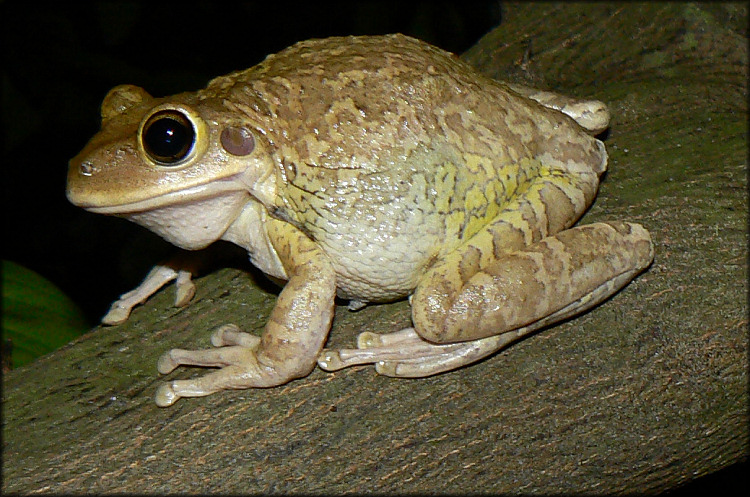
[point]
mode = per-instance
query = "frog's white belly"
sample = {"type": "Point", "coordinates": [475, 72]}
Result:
{"type": "Point", "coordinates": [380, 231]}
{"type": "Point", "coordinates": [383, 230]}
{"type": "Point", "coordinates": [385, 258]}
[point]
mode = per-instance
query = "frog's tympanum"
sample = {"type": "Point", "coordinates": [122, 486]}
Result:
{"type": "Point", "coordinates": [372, 169]}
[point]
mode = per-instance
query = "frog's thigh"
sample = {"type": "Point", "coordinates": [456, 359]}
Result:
{"type": "Point", "coordinates": [547, 281]}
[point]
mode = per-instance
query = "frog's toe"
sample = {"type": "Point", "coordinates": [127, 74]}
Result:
{"type": "Point", "coordinates": [396, 369]}
{"type": "Point", "coordinates": [368, 340]}
{"type": "Point", "coordinates": [226, 378]}
{"type": "Point", "coordinates": [230, 334]}
{"type": "Point", "coordinates": [166, 364]}
{"type": "Point", "coordinates": [117, 314]}
{"type": "Point", "coordinates": [330, 360]}
{"type": "Point", "coordinates": [165, 395]}
{"type": "Point", "coordinates": [185, 289]}
{"type": "Point", "coordinates": [216, 358]}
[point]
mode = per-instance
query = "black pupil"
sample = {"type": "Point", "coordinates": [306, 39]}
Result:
{"type": "Point", "coordinates": [168, 137]}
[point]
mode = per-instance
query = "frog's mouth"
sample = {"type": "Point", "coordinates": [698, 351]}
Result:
{"type": "Point", "coordinates": [191, 219]}
{"type": "Point", "coordinates": [194, 194]}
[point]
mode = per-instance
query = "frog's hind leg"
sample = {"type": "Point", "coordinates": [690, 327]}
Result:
{"type": "Point", "coordinates": [521, 292]}
{"type": "Point", "coordinates": [522, 271]}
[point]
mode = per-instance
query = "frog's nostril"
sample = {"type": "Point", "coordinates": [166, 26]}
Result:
{"type": "Point", "coordinates": [87, 168]}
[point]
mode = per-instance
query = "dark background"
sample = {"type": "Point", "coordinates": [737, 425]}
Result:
{"type": "Point", "coordinates": [58, 61]}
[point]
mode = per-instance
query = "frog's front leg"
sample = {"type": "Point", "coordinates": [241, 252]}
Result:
{"type": "Point", "coordinates": [293, 337]}
{"type": "Point", "coordinates": [465, 310]}
{"type": "Point", "coordinates": [160, 275]}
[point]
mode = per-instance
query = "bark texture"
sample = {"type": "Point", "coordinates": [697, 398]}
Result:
{"type": "Point", "coordinates": [642, 394]}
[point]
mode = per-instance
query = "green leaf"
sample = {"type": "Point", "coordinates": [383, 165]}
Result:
{"type": "Point", "coordinates": [37, 316]}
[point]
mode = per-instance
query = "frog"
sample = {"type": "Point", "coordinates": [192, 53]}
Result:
{"type": "Point", "coordinates": [369, 169]}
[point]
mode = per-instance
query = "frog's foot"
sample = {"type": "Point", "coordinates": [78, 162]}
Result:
{"type": "Point", "coordinates": [156, 278]}
{"type": "Point", "coordinates": [591, 115]}
{"type": "Point", "coordinates": [236, 355]}
{"type": "Point", "coordinates": [404, 354]}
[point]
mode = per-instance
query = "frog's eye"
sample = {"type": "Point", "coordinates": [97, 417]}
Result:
{"type": "Point", "coordinates": [168, 137]}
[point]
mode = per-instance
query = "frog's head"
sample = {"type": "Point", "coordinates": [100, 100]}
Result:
{"type": "Point", "coordinates": [181, 166]}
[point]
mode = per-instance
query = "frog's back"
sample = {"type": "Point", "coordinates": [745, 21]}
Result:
{"type": "Point", "coordinates": [368, 102]}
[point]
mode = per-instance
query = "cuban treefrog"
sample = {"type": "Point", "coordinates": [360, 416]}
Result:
{"type": "Point", "coordinates": [372, 168]}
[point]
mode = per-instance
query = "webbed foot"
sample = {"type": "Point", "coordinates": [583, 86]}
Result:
{"type": "Point", "coordinates": [235, 355]}
{"type": "Point", "coordinates": [404, 354]}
